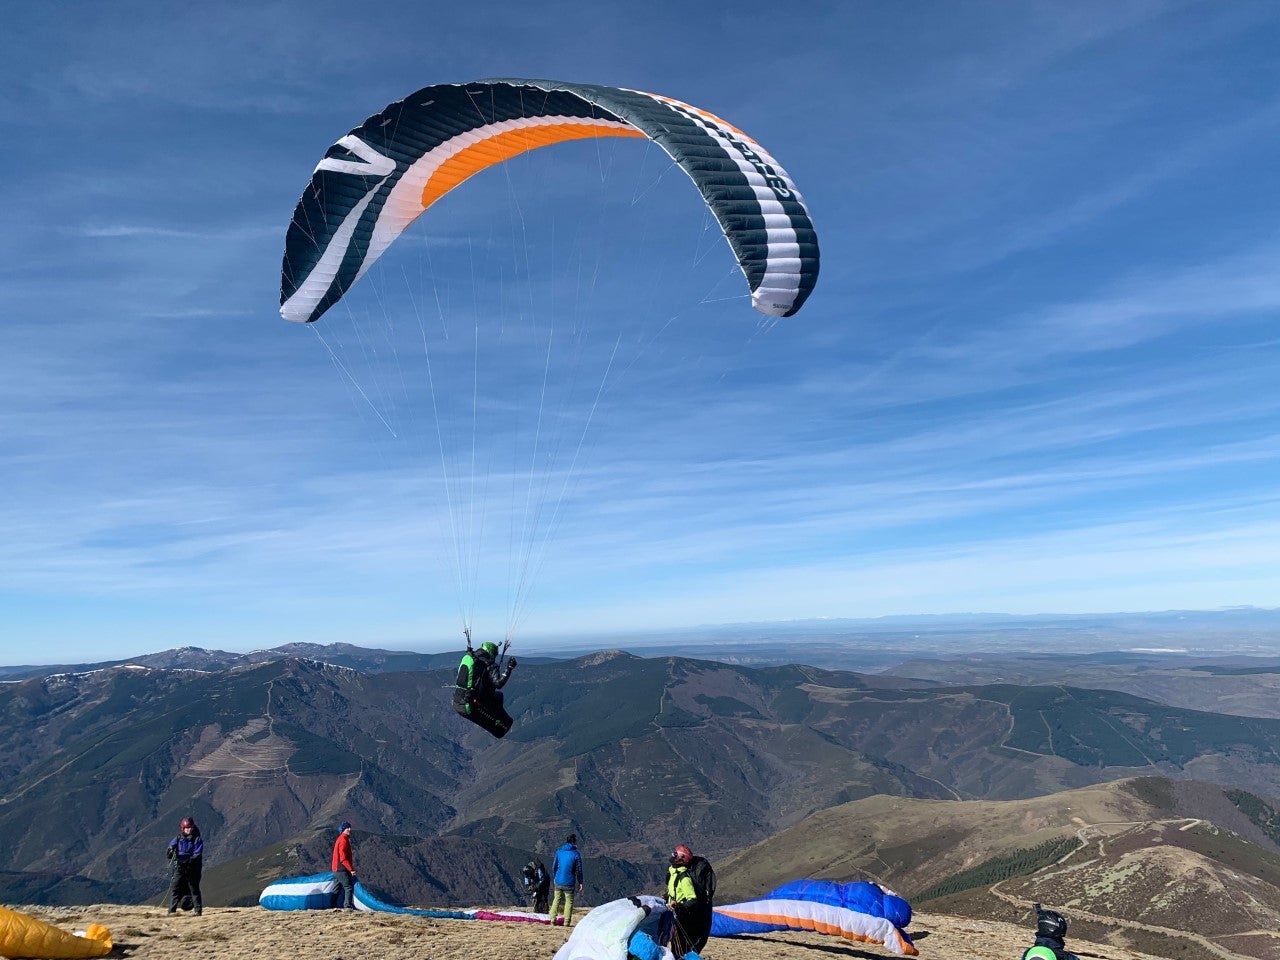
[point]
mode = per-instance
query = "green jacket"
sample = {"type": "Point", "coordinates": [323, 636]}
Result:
{"type": "Point", "coordinates": [680, 888]}
{"type": "Point", "coordinates": [479, 677]}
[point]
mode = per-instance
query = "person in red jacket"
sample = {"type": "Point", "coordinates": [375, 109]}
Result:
{"type": "Point", "coordinates": [344, 866]}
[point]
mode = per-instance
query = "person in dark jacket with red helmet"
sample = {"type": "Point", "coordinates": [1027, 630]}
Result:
{"type": "Point", "coordinates": [186, 850]}
{"type": "Point", "coordinates": [691, 890]}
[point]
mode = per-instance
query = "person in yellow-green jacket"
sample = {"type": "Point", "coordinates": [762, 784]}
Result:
{"type": "Point", "coordinates": [691, 890]}
{"type": "Point", "coordinates": [1051, 933]}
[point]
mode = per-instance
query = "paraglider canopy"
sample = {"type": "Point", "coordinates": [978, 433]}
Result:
{"type": "Point", "coordinates": [487, 370]}
{"type": "Point", "coordinates": [859, 911]}
{"type": "Point", "coordinates": [373, 182]}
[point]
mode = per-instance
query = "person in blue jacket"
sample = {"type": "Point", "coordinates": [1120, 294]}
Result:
{"type": "Point", "coordinates": [566, 875]}
{"type": "Point", "coordinates": [186, 850]}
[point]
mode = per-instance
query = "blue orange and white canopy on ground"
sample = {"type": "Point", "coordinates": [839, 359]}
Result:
{"type": "Point", "coordinates": [859, 911]}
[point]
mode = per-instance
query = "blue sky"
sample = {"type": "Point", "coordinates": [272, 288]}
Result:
{"type": "Point", "coordinates": [1038, 373]}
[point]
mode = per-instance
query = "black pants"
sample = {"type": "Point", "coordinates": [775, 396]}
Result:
{"type": "Point", "coordinates": [346, 889]}
{"type": "Point", "coordinates": [489, 714]}
{"type": "Point", "coordinates": [542, 899]}
{"type": "Point", "coordinates": [693, 927]}
{"type": "Point", "coordinates": [186, 883]}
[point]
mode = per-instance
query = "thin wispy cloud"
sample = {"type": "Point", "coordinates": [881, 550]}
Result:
{"type": "Point", "coordinates": [168, 233]}
{"type": "Point", "coordinates": [1037, 373]}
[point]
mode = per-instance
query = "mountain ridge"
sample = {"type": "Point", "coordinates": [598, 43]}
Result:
{"type": "Point", "coordinates": [632, 753]}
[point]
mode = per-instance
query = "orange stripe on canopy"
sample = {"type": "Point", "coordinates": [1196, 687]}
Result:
{"type": "Point", "coordinates": [809, 923]}
{"type": "Point", "coordinates": [719, 121]}
{"type": "Point", "coordinates": [791, 920]}
{"type": "Point", "coordinates": [507, 144]}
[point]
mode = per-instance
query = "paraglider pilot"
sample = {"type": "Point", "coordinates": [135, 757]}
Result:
{"type": "Point", "coordinates": [186, 850]}
{"type": "Point", "coordinates": [477, 693]}
{"type": "Point", "coordinates": [1051, 933]}
{"type": "Point", "coordinates": [690, 893]}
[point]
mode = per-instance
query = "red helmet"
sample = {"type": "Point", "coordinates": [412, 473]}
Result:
{"type": "Point", "coordinates": [682, 856]}
{"type": "Point", "coordinates": [187, 822]}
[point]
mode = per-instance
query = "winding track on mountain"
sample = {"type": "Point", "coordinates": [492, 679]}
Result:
{"type": "Point", "coordinates": [1076, 912]}
{"type": "Point", "coordinates": [1004, 740]}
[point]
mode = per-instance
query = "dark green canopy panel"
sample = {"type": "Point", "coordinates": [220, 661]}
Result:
{"type": "Point", "coordinates": [381, 176]}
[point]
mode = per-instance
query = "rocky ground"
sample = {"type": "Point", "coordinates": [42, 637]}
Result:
{"type": "Point", "coordinates": [251, 933]}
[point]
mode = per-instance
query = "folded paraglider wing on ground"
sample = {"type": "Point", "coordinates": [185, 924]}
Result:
{"type": "Point", "coordinates": [24, 936]}
{"type": "Point", "coordinates": [632, 926]}
{"type": "Point", "coordinates": [319, 891]}
{"type": "Point", "coordinates": [858, 911]}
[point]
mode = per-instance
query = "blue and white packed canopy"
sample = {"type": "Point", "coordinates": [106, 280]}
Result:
{"type": "Point", "coordinates": [859, 911]}
{"type": "Point", "coordinates": [381, 176]}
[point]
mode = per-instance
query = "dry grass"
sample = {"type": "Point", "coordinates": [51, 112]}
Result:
{"type": "Point", "coordinates": [250, 933]}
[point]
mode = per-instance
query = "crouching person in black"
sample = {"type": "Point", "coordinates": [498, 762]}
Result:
{"type": "Point", "coordinates": [186, 851]}
{"type": "Point", "coordinates": [537, 885]}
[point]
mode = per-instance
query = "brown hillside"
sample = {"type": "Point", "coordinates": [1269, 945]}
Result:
{"type": "Point", "coordinates": [911, 844]}
{"type": "Point", "coordinates": [1115, 858]}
